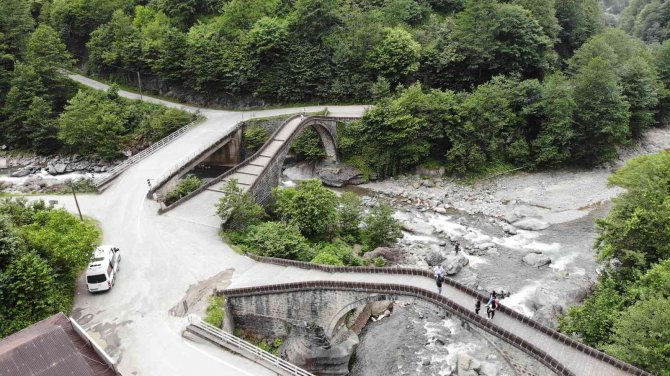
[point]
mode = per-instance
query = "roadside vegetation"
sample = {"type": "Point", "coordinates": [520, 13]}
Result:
{"type": "Point", "coordinates": [307, 223]}
{"type": "Point", "coordinates": [186, 186]}
{"type": "Point", "coordinates": [627, 313]}
{"type": "Point", "coordinates": [42, 252]}
{"type": "Point", "coordinates": [214, 314]}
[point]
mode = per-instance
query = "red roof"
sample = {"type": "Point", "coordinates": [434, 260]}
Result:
{"type": "Point", "coordinates": [50, 347]}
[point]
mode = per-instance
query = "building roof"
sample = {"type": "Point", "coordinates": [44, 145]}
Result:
{"type": "Point", "coordinates": [50, 347]}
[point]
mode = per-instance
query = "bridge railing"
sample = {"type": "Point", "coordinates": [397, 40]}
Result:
{"type": "Point", "coordinates": [535, 325]}
{"type": "Point", "coordinates": [248, 350]}
{"type": "Point", "coordinates": [118, 169]}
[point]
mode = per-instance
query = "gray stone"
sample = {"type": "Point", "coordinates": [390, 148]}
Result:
{"type": "Point", "coordinates": [3, 163]}
{"type": "Point", "coordinates": [454, 263]}
{"type": "Point", "coordinates": [536, 259]}
{"type": "Point", "coordinates": [339, 175]}
{"type": "Point", "coordinates": [60, 168]}
{"type": "Point", "coordinates": [531, 224]}
{"type": "Point", "coordinates": [21, 173]}
{"type": "Point", "coordinates": [52, 170]}
{"type": "Point", "coordinates": [418, 228]}
{"type": "Point", "coordinates": [430, 172]}
{"type": "Point", "coordinates": [435, 257]}
{"type": "Point", "coordinates": [388, 254]}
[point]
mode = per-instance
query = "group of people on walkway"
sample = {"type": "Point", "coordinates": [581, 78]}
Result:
{"type": "Point", "coordinates": [491, 306]}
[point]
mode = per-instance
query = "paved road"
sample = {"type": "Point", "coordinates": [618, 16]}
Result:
{"type": "Point", "coordinates": [162, 258]}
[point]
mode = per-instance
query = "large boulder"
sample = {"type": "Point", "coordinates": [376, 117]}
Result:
{"type": "Point", "coordinates": [435, 257]}
{"type": "Point", "coordinates": [339, 175]}
{"type": "Point", "coordinates": [418, 228]}
{"type": "Point", "coordinates": [467, 365]}
{"type": "Point", "coordinates": [531, 224]}
{"type": "Point", "coordinates": [21, 173]}
{"type": "Point", "coordinates": [60, 168]}
{"type": "Point", "coordinates": [454, 263]}
{"type": "Point", "coordinates": [536, 259]}
{"type": "Point", "coordinates": [389, 254]}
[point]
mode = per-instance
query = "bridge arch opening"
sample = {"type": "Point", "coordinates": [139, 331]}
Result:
{"type": "Point", "coordinates": [314, 142]}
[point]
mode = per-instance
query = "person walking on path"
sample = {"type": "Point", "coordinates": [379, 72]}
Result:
{"type": "Point", "coordinates": [439, 277]}
{"type": "Point", "coordinates": [438, 280]}
{"type": "Point", "coordinates": [491, 308]}
{"type": "Point", "coordinates": [478, 305]}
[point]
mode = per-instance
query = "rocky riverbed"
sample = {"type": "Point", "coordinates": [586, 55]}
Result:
{"type": "Point", "coordinates": [39, 174]}
{"type": "Point", "coordinates": [529, 234]}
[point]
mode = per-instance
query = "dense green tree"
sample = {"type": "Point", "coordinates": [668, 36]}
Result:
{"type": "Point", "coordinates": [26, 85]}
{"type": "Point", "coordinates": [395, 57]}
{"type": "Point", "coordinates": [601, 116]}
{"type": "Point", "coordinates": [380, 228]}
{"type": "Point", "coordinates": [276, 239]}
{"type": "Point", "coordinates": [91, 124]}
{"type": "Point", "coordinates": [28, 293]}
{"type": "Point", "coordinates": [16, 24]}
{"type": "Point", "coordinates": [579, 20]}
{"type": "Point", "coordinates": [117, 43]}
{"type": "Point", "coordinates": [40, 125]}
{"type": "Point", "coordinates": [237, 208]}
{"type": "Point", "coordinates": [310, 207]}
{"type": "Point", "coordinates": [544, 11]}
{"type": "Point", "coordinates": [642, 336]}
{"type": "Point", "coordinates": [9, 243]}
{"type": "Point", "coordinates": [46, 52]}
{"type": "Point", "coordinates": [636, 231]}
{"type": "Point", "coordinates": [349, 216]}
{"type": "Point", "coordinates": [640, 87]}
{"type": "Point", "coordinates": [551, 147]}
{"type": "Point", "coordinates": [494, 38]}
{"type": "Point", "coordinates": [592, 320]}
{"type": "Point", "coordinates": [648, 20]}
{"type": "Point", "coordinates": [63, 240]}
{"type": "Point", "coordinates": [662, 63]}
{"type": "Point", "coordinates": [75, 20]}
{"type": "Point", "coordinates": [307, 146]}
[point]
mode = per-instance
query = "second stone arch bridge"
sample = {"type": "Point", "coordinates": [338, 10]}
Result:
{"type": "Point", "coordinates": [258, 173]}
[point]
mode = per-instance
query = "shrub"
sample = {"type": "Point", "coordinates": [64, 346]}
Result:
{"type": "Point", "coordinates": [349, 216]}
{"type": "Point", "coordinates": [215, 313]}
{"type": "Point", "coordinates": [255, 137]}
{"type": "Point", "coordinates": [187, 185]}
{"type": "Point", "coordinates": [238, 209]}
{"type": "Point", "coordinates": [379, 261]}
{"type": "Point", "coordinates": [327, 258]}
{"type": "Point", "coordinates": [380, 228]}
{"type": "Point", "coordinates": [275, 239]}
{"type": "Point", "coordinates": [310, 207]}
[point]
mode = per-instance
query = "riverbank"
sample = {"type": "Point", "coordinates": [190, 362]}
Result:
{"type": "Point", "coordinates": [29, 174]}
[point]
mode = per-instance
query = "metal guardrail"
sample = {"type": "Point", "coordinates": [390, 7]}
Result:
{"type": "Point", "coordinates": [117, 170]}
{"type": "Point", "coordinates": [247, 349]}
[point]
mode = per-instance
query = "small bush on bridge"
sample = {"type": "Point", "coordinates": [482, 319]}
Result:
{"type": "Point", "coordinates": [237, 209]}
{"type": "Point", "coordinates": [308, 146]}
{"type": "Point", "coordinates": [186, 186]}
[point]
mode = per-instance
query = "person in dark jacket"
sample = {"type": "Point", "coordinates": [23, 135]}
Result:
{"type": "Point", "coordinates": [478, 305]}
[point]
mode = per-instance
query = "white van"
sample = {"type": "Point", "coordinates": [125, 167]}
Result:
{"type": "Point", "coordinates": [102, 268]}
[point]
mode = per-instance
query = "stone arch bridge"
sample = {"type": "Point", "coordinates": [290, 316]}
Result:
{"type": "Point", "coordinates": [260, 172]}
{"type": "Point", "coordinates": [323, 295]}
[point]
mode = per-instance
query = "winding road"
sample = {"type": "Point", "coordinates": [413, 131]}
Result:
{"type": "Point", "coordinates": [163, 256]}
{"type": "Point", "coordinates": [171, 258]}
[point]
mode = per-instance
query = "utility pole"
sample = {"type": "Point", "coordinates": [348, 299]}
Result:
{"type": "Point", "coordinates": [75, 201]}
{"type": "Point", "coordinates": [139, 81]}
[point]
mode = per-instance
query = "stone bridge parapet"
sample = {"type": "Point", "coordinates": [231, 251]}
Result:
{"type": "Point", "coordinates": [544, 346]}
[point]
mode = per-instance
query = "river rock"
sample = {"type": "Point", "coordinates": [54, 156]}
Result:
{"type": "Point", "coordinates": [434, 257]}
{"type": "Point", "coordinates": [467, 365]}
{"type": "Point", "coordinates": [536, 259]}
{"type": "Point", "coordinates": [3, 163]}
{"type": "Point", "coordinates": [21, 173]}
{"type": "Point", "coordinates": [60, 168]}
{"type": "Point", "coordinates": [418, 228]}
{"type": "Point", "coordinates": [531, 224]}
{"type": "Point", "coordinates": [339, 175]}
{"type": "Point", "coordinates": [454, 263]}
{"type": "Point", "coordinates": [388, 254]}
{"type": "Point", "coordinates": [430, 172]}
